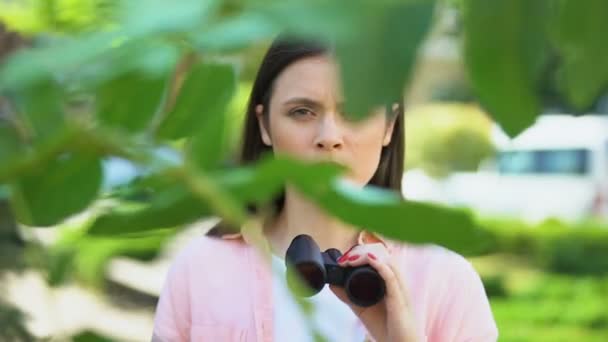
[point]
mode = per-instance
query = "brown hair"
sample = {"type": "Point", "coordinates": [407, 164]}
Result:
{"type": "Point", "coordinates": [283, 52]}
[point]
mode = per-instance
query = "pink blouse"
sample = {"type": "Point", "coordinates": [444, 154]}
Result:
{"type": "Point", "coordinates": [221, 290]}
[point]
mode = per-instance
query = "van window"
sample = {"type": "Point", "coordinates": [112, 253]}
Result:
{"type": "Point", "coordinates": [562, 161]}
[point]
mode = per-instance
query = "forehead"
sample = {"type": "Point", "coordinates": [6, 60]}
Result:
{"type": "Point", "coordinates": [314, 77]}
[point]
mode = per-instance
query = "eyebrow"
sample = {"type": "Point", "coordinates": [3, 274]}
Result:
{"type": "Point", "coordinates": [307, 102]}
{"type": "Point", "coordinates": [304, 101]}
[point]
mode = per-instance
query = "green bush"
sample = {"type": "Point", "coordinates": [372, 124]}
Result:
{"type": "Point", "coordinates": [446, 137]}
{"type": "Point", "coordinates": [575, 250]}
{"type": "Point", "coordinates": [555, 307]}
{"type": "Point", "coordinates": [494, 285]}
{"type": "Point", "coordinates": [552, 245]}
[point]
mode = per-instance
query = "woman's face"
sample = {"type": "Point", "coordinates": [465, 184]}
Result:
{"type": "Point", "coordinates": [306, 120]}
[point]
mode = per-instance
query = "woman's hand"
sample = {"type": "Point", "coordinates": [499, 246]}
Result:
{"type": "Point", "coordinates": [391, 319]}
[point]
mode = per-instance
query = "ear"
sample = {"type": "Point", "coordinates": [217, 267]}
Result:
{"type": "Point", "coordinates": [259, 113]}
{"type": "Point", "coordinates": [388, 134]}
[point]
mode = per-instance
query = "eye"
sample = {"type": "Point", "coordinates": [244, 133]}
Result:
{"type": "Point", "coordinates": [301, 113]}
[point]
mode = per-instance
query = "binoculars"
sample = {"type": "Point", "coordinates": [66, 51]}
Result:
{"type": "Point", "coordinates": [306, 264]}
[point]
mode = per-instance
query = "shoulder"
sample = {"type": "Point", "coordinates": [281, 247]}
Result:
{"type": "Point", "coordinates": [433, 258]}
{"type": "Point", "coordinates": [211, 270]}
{"type": "Point", "coordinates": [207, 277]}
{"type": "Point", "coordinates": [452, 295]}
{"type": "Point", "coordinates": [441, 276]}
{"type": "Point", "coordinates": [206, 246]}
{"type": "Point", "coordinates": [207, 253]}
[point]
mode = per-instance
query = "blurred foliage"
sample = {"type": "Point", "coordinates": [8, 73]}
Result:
{"type": "Point", "coordinates": [57, 16]}
{"type": "Point", "coordinates": [494, 285]}
{"type": "Point", "coordinates": [11, 243]}
{"type": "Point", "coordinates": [78, 256]}
{"type": "Point", "coordinates": [560, 58]}
{"type": "Point", "coordinates": [12, 324]}
{"type": "Point", "coordinates": [90, 336]}
{"type": "Point", "coordinates": [447, 137]}
{"type": "Point", "coordinates": [511, 32]}
{"type": "Point", "coordinates": [128, 79]}
{"type": "Point", "coordinates": [454, 90]}
{"type": "Point", "coordinates": [522, 40]}
{"type": "Point", "coordinates": [547, 282]}
{"type": "Point", "coordinates": [552, 245]}
{"type": "Point", "coordinates": [235, 116]}
{"type": "Point", "coordinates": [583, 73]}
{"type": "Point", "coordinates": [554, 308]}
{"type": "Point", "coordinates": [259, 184]}
{"type": "Point", "coordinates": [535, 305]}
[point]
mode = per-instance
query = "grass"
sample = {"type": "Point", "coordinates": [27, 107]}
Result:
{"type": "Point", "coordinates": [539, 306]}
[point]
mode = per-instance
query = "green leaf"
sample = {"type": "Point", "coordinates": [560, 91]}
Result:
{"type": "Point", "coordinates": [209, 145]}
{"type": "Point", "coordinates": [40, 106]}
{"type": "Point", "coordinates": [259, 184]}
{"type": "Point", "coordinates": [152, 57]}
{"type": "Point", "coordinates": [130, 100]}
{"type": "Point", "coordinates": [233, 33]}
{"type": "Point", "coordinates": [206, 91]}
{"type": "Point", "coordinates": [63, 187]}
{"type": "Point", "coordinates": [14, 325]}
{"type": "Point", "coordinates": [382, 211]}
{"type": "Point", "coordinates": [579, 37]}
{"type": "Point", "coordinates": [60, 265]}
{"type": "Point", "coordinates": [65, 55]}
{"type": "Point", "coordinates": [83, 257]}
{"type": "Point", "coordinates": [370, 208]}
{"type": "Point", "coordinates": [91, 336]}
{"type": "Point", "coordinates": [154, 17]}
{"type": "Point", "coordinates": [62, 56]}
{"type": "Point", "coordinates": [331, 18]}
{"type": "Point", "coordinates": [376, 62]}
{"type": "Point", "coordinates": [505, 44]}
{"type": "Point", "coordinates": [3, 192]}
{"type": "Point", "coordinates": [94, 254]}
{"type": "Point", "coordinates": [171, 207]}
{"type": "Point", "coordinates": [375, 41]}
{"type": "Point", "coordinates": [10, 146]}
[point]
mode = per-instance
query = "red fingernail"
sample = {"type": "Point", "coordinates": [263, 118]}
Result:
{"type": "Point", "coordinates": [353, 258]}
{"type": "Point", "coordinates": [348, 251]}
{"type": "Point", "coordinates": [372, 256]}
{"type": "Point", "coordinates": [341, 259]}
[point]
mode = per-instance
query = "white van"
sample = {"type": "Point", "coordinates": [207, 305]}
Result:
{"type": "Point", "coordinates": [558, 167]}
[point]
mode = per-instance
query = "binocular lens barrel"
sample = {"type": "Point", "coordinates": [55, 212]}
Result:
{"type": "Point", "coordinates": [363, 285]}
{"type": "Point", "coordinates": [304, 257]}
{"type": "Point", "coordinates": [312, 275]}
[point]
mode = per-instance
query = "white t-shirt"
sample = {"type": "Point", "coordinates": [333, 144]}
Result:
{"type": "Point", "coordinates": [333, 319]}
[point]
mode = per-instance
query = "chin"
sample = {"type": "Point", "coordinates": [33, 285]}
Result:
{"type": "Point", "coordinates": [355, 181]}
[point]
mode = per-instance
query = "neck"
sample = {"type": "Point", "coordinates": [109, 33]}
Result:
{"type": "Point", "coordinates": [301, 216]}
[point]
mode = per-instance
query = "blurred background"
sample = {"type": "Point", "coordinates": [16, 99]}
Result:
{"type": "Point", "coordinates": [542, 194]}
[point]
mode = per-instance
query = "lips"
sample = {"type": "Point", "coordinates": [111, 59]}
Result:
{"type": "Point", "coordinates": [330, 159]}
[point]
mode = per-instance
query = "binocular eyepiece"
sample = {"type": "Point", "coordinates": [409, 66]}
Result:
{"type": "Point", "coordinates": [306, 264]}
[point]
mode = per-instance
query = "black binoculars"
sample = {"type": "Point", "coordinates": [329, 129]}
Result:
{"type": "Point", "coordinates": [306, 264]}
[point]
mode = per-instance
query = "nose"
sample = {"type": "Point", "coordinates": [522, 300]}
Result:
{"type": "Point", "coordinates": [329, 136]}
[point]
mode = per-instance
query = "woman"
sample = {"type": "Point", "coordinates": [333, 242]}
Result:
{"type": "Point", "coordinates": [220, 288]}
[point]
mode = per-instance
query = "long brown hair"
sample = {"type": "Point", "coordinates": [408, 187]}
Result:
{"type": "Point", "coordinates": [283, 52]}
